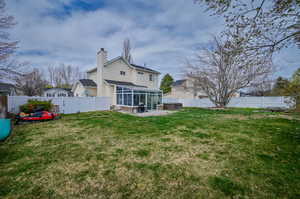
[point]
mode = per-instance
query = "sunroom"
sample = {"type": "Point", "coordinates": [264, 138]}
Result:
{"type": "Point", "coordinates": [131, 98]}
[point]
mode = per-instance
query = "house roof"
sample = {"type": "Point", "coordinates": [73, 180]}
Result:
{"type": "Point", "coordinates": [144, 68]}
{"type": "Point", "coordinates": [66, 89]}
{"type": "Point", "coordinates": [131, 65]}
{"type": "Point", "coordinates": [88, 82]}
{"type": "Point", "coordinates": [6, 87]}
{"type": "Point", "coordinates": [179, 82]}
{"type": "Point", "coordinates": [120, 83]}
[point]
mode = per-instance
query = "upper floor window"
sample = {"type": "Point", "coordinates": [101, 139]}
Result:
{"type": "Point", "coordinates": [150, 77]}
{"type": "Point", "coordinates": [140, 73]}
{"type": "Point", "coordinates": [122, 73]}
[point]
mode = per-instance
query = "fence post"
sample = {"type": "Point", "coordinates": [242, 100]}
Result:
{"type": "Point", "coordinates": [3, 107]}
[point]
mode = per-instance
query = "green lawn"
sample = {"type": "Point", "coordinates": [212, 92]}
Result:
{"type": "Point", "coordinates": [193, 153]}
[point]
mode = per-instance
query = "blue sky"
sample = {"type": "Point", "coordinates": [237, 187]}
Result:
{"type": "Point", "coordinates": [162, 32]}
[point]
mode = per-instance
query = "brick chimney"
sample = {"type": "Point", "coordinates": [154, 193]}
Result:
{"type": "Point", "coordinates": [101, 60]}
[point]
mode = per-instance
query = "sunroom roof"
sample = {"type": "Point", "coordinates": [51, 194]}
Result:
{"type": "Point", "coordinates": [120, 83]}
{"type": "Point", "coordinates": [134, 88]}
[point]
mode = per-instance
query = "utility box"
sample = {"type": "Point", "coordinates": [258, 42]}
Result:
{"type": "Point", "coordinates": [172, 106]}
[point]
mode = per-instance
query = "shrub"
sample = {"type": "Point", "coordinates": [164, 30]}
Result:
{"type": "Point", "coordinates": [33, 105]}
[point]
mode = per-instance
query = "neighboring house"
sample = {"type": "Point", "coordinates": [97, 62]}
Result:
{"type": "Point", "coordinates": [85, 88]}
{"type": "Point", "coordinates": [57, 92]}
{"type": "Point", "coordinates": [128, 85]}
{"type": "Point", "coordinates": [184, 89]}
{"type": "Point", "coordinates": [7, 89]}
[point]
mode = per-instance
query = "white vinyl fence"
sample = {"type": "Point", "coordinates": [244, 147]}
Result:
{"type": "Point", "coordinates": [243, 102]}
{"type": "Point", "coordinates": [66, 105]}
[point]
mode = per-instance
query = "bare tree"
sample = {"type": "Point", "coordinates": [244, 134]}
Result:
{"type": "Point", "coordinates": [226, 69]}
{"type": "Point", "coordinates": [31, 83]}
{"type": "Point", "coordinates": [64, 75]}
{"type": "Point", "coordinates": [126, 50]}
{"type": "Point", "coordinates": [51, 75]}
{"type": "Point", "coordinates": [268, 25]}
{"type": "Point", "coordinates": [7, 47]}
{"type": "Point", "coordinates": [262, 89]}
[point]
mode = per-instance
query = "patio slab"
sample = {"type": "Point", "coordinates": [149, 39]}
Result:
{"type": "Point", "coordinates": [151, 113]}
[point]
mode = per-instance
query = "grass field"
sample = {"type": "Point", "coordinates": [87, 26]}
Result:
{"type": "Point", "coordinates": [193, 153]}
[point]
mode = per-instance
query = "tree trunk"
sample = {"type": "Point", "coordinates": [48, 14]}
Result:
{"type": "Point", "coordinates": [298, 105]}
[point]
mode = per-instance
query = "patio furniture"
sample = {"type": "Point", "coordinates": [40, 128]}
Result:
{"type": "Point", "coordinates": [141, 108]}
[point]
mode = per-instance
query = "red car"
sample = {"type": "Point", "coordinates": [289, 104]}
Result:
{"type": "Point", "coordinates": [37, 116]}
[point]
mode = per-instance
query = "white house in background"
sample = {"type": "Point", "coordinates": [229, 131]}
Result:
{"type": "Point", "coordinates": [8, 89]}
{"type": "Point", "coordinates": [183, 89]}
{"type": "Point", "coordinates": [128, 85]}
{"type": "Point", "coordinates": [57, 92]}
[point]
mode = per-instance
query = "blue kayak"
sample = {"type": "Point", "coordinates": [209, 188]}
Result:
{"type": "Point", "coordinates": [5, 128]}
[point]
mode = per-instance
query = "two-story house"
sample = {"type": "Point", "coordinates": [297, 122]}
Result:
{"type": "Point", "coordinates": [128, 85]}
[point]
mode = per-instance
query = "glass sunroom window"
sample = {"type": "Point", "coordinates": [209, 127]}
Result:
{"type": "Point", "coordinates": [135, 97]}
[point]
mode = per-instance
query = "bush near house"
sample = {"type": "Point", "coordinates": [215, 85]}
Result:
{"type": "Point", "coordinates": [33, 105]}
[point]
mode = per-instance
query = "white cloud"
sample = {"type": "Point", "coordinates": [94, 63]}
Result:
{"type": "Point", "coordinates": [161, 36]}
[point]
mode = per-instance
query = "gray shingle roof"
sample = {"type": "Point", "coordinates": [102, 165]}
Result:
{"type": "Point", "coordinates": [144, 68]}
{"type": "Point", "coordinates": [6, 87]}
{"type": "Point", "coordinates": [133, 65]}
{"type": "Point", "coordinates": [123, 83]}
{"type": "Point", "coordinates": [178, 82]}
{"type": "Point", "coordinates": [88, 82]}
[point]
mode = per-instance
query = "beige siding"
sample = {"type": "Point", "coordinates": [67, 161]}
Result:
{"type": "Point", "coordinates": [81, 91]}
{"type": "Point", "coordinates": [92, 92]}
{"type": "Point", "coordinates": [144, 79]}
{"type": "Point", "coordinates": [112, 72]}
{"type": "Point", "coordinates": [186, 91]}
{"type": "Point", "coordinates": [180, 93]}
{"type": "Point", "coordinates": [92, 76]}
{"type": "Point", "coordinates": [108, 90]}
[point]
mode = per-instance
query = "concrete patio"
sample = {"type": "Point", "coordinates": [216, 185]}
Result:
{"type": "Point", "coordinates": [150, 113]}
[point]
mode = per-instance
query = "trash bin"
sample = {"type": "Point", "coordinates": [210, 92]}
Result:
{"type": "Point", "coordinates": [5, 128]}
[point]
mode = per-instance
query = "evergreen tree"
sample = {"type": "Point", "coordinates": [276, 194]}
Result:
{"type": "Point", "coordinates": [296, 77]}
{"type": "Point", "coordinates": [166, 83]}
{"type": "Point", "coordinates": [280, 85]}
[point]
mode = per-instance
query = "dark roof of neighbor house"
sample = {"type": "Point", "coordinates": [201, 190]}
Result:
{"type": "Point", "coordinates": [178, 82]}
{"type": "Point", "coordinates": [88, 82]}
{"type": "Point", "coordinates": [144, 68]}
{"type": "Point", "coordinates": [123, 83]}
{"type": "Point", "coordinates": [6, 87]}
{"type": "Point", "coordinates": [66, 89]}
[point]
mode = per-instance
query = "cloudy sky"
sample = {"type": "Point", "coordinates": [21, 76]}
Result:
{"type": "Point", "coordinates": [162, 32]}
